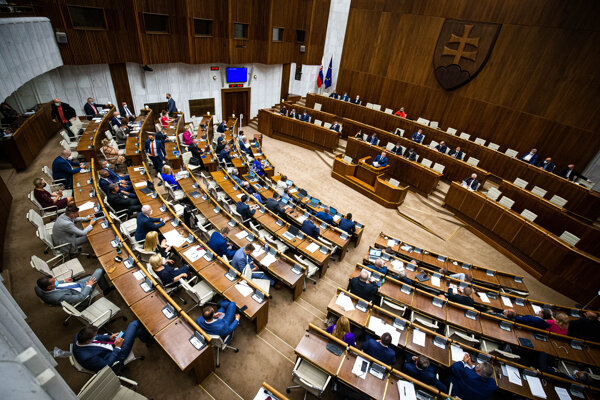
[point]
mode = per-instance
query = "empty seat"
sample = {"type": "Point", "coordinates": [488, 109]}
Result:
{"type": "Point", "coordinates": [423, 121]}
{"type": "Point", "coordinates": [520, 183]}
{"type": "Point", "coordinates": [569, 238]}
{"type": "Point", "coordinates": [473, 161]}
{"type": "Point", "coordinates": [528, 215]}
{"type": "Point", "coordinates": [434, 124]}
{"type": "Point", "coordinates": [394, 182]}
{"type": "Point", "coordinates": [389, 146]}
{"type": "Point", "coordinates": [318, 122]}
{"type": "Point", "coordinates": [451, 131]}
{"type": "Point", "coordinates": [439, 168]}
{"type": "Point", "coordinates": [399, 132]}
{"type": "Point", "coordinates": [318, 106]}
{"type": "Point", "coordinates": [493, 193]}
{"type": "Point", "coordinates": [480, 141]}
{"type": "Point", "coordinates": [432, 144]}
{"type": "Point", "coordinates": [506, 202]}
{"type": "Point", "coordinates": [464, 135]}
{"type": "Point", "coordinates": [493, 146]}
{"type": "Point", "coordinates": [426, 162]}
{"type": "Point", "coordinates": [369, 105]}
{"type": "Point", "coordinates": [327, 125]}
{"type": "Point", "coordinates": [511, 153]}
{"type": "Point", "coordinates": [539, 191]}
{"type": "Point", "coordinates": [559, 201]}
{"type": "Point", "coordinates": [377, 107]}
{"type": "Point", "coordinates": [389, 111]}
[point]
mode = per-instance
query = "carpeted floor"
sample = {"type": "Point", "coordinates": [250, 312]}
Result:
{"type": "Point", "coordinates": [268, 356]}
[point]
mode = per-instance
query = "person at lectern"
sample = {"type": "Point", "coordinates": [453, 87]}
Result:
{"type": "Point", "coordinates": [380, 161]}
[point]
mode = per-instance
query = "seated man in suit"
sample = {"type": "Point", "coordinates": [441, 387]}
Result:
{"type": "Point", "coordinates": [92, 109]}
{"type": "Point", "coordinates": [461, 296]}
{"type": "Point", "coordinates": [373, 139]}
{"type": "Point", "coordinates": [380, 349]}
{"type": "Point", "coordinates": [246, 147]}
{"type": "Point", "coordinates": [309, 227]}
{"type": "Point", "coordinates": [163, 135]}
{"type": "Point", "coordinates": [471, 183]}
{"type": "Point", "coordinates": [126, 112]}
{"type": "Point", "coordinates": [531, 157]}
{"type": "Point", "coordinates": [223, 322]}
{"type": "Point", "coordinates": [472, 382]}
{"type": "Point", "coordinates": [106, 180]}
{"type": "Point", "coordinates": [335, 127]}
{"type": "Point", "coordinates": [235, 176]}
{"type": "Point", "coordinates": [118, 121]}
{"type": "Point", "coordinates": [241, 258]}
{"type": "Point", "coordinates": [120, 200]}
{"type": "Point", "coordinates": [293, 114]}
{"type": "Point", "coordinates": [536, 321]}
{"type": "Point", "coordinates": [95, 352]}
{"type": "Point", "coordinates": [224, 156]}
{"type": "Point", "coordinates": [196, 151]}
{"type": "Point", "coordinates": [397, 149]}
{"type": "Point", "coordinates": [381, 160]}
{"type": "Point", "coordinates": [571, 174]}
{"type": "Point", "coordinates": [400, 113]}
{"type": "Point", "coordinates": [379, 266]}
{"type": "Point", "coordinates": [53, 291]}
{"type": "Point", "coordinates": [345, 97]}
{"type": "Point", "coordinates": [64, 230]}
{"type": "Point", "coordinates": [155, 150]}
{"type": "Point", "coordinates": [547, 165]}
{"type": "Point", "coordinates": [587, 327]}
{"type": "Point", "coordinates": [283, 111]}
{"type": "Point", "coordinates": [356, 100]}
{"type": "Point", "coordinates": [145, 223]}
{"type": "Point", "coordinates": [347, 225]}
{"type": "Point", "coordinates": [273, 205]}
{"type": "Point", "coordinates": [219, 244]}
{"type": "Point", "coordinates": [325, 217]}
{"type": "Point", "coordinates": [419, 367]}
{"type": "Point", "coordinates": [62, 168]}
{"type": "Point", "coordinates": [417, 137]}
{"type": "Point", "coordinates": [113, 175]}
{"type": "Point", "coordinates": [441, 147]}
{"type": "Point", "coordinates": [456, 153]}
{"type": "Point", "coordinates": [222, 128]}
{"type": "Point", "coordinates": [360, 286]}
{"type": "Point", "coordinates": [244, 210]}
{"type": "Point", "coordinates": [410, 154]}
{"type": "Point", "coordinates": [63, 113]}
{"type": "Point", "coordinates": [305, 117]}
{"type": "Point", "coordinates": [334, 95]}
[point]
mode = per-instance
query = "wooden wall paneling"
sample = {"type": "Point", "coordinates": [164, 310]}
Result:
{"type": "Point", "coordinates": [210, 49]}
{"type": "Point", "coordinates": [317, 34]}
{"type": "Point", "coordinates": [120, 80]}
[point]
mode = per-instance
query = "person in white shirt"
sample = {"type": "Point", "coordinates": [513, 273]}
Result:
{"type": "Point", "coordinates": [281, 185]}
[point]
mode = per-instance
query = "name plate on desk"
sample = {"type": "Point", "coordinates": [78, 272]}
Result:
{"type": "Point", "coordinates": [406, 289]}
{"type": "Point", "coordinates": [230, 274]}
{"type": "Point", "coordinates": [195, 194]}
{"type": "Point", "coordinates": [258, 296]}
{"type": "Point", "coordinates": [518, 279]}
{"type": "Point", "coordinates": [168, 311]}
{"type": "Point", "coordinates": [104, 224]}
{"type": "Point", "coordinates": [334, 348]}
{"type": "Point", "coordinates": [506, 326]}
{"type": "Point", "coordinates": [577, 345]}
{"type": "Point", "coordinates": [436, 301]}
{"type": "Point", "coordinates": [279, 223]}
{"type": "Point", "coordinates": [297, 269]}
{"type": "Point", "coordinates": [115, 242]}
{"type": "Point", "coordinates": [92, 193]}
{"type": "Point", "coordinates": [175, 222]}
{"type": "Point", "coordinates": [411, 267]}
{"type": "Point", "coordinates": [198, 341]}
{"type": "Point", "coordinates": [324, 250]}
{"type": "Point", "coordinates": [471, 314]}
{"type": "Point", "coordinates": [128, 262]}
{"type": "Point", "coordinates": [440, 342]}
{"type": "Point", "coordinates": [489, 272]}
{"type": "Point", "coordinates": [574, 313]}
{"type": "Point", "coordinates": [154, 195]}
{"type": "Point", "coordinates": [378, 371]}
{"type": "Point", "coordinates": [399, 324]}
{"type": "Point", "coordinates": [216, 210]}
{"type": "Point", "coordinates": [208, 256]}
{"type": "Point", "coordinates": [163, 208]}
{"type": "Point", "coordinates": [250, 238]}
{"type": "Point", "coordinates": [195, 185]}
{"type": "Point", "coordinates": [441, 258]}
{"type": "Point", "coordinates": [465, 266]}
{"type": "Point", "coordinates": [519, 301]}
{"type": "Point", "coordinates": [344, 236]}
{"type": "Point", "coordinates": [420, 395]}
{"type": "Point", "coordinates": [362, 306]}
{"type": "Point", "coordinates": [146, 285]}
{"type": "Point", "coordinates": [89, 181]}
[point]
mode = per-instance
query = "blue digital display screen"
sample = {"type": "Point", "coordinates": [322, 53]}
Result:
{"type": "Point", "coordinates": [235, 75]}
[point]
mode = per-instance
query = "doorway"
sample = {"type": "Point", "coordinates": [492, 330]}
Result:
{"type": "Point", "coordinates": [236, 101]}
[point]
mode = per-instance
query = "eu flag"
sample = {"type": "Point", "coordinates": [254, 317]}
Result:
{"type": "Point", "coordinates": [329, 72]}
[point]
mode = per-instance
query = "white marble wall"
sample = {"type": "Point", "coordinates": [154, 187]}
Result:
{"type": "Point", "coordinates": [187, 82]}
{"type": "Point", "coordinates": [27, 49]}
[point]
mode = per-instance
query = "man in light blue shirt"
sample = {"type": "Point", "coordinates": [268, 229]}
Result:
{"type": "Point", "coordinates": [242, 258]}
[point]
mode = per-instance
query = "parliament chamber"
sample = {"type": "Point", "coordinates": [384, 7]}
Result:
{"type": "Point", "coordinates": [337, 199]}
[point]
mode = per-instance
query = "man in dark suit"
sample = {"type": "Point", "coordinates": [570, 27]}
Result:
{"type": "Point", "coordinates": [223, 322]}
{"type": "Point", "coordinates": [547, 165]}
{"type": "Point", "coordinates": [461, 296]}
{"type": "Point", "coordinates": [222, 128]}
{"type": "Point", "coordinates": [106, 180]}
{"type": "Point", "coordinates": [471, 183]}
{"type": "Point", "coordinates": [53, 291]}
{"type": "Point", "coordinates": [531, 157]}
{"type": "Point", "coordinates": [95, 352]}
{"type": "Point", "coordinates": [356, 100]}
{"type": "Point", "coordinates": [309, 227]}
{"type": "Point", "coordinates": [273, 205]}
{"type": "Point", "coordinates": [145, 223]}
{"type": "Point", "coordinates": [360, 286]}
{"type": "Point", "coordinates": [244, 210]}
{"type": "Point", "coordinates": [417, 137]}
{"type": "Point", "coordinates": [283, 111]}
{"type": "Point", "coordinates": [117, 120]}
{"type": "Point", "coordinates": [305, 117]}
{"type": "Point", "coordinates": [586, 327]}
{"type": "Point", "coordinates": [224, 156]}
{"type": "Point", "coordinates": [114, 176]}
{"type": "Point", "coordinates": [63, 169]}
{"type": "Point", "coordinates": [345, 97]}
{"type": "Point", "coordinates": [381, 160]}
{"type": "Point", "coordinates": [126, 112]}
{"type": "Point", "coordinates": [373, 139]}
{"type": "Point", "coordinates": [421, 368]}
{"type": "Point", "coordinates": [155, 150]}
{"type": "Point", "coordinates": [171, 107]}
{"type": "Point", "coordinates": [219, 244]}
{"type": "Point", "coordinates": [334, 95]}
{"type": "Point", "coordinates": [196, 154]}
{"type": "Point", "coordinates": [472, 382]}
{"type": "Point", "coordinates": [380, 349]}
{"type": "Point", "coordinates": [293, 114]}
{"type": "Point", "coordinates": [410, 154]}
{"type": "Point", "coordinates": [63, 113]}
{"type": "Point", "coordinates": [441, 147]}
{"type": "Point", "coordinates": [121, 201]}
{"type": "Point", "coordinates": [571, 174]}
{"type": "Point", "coordinates": [456, 153]}
{"type": "Point", "coordinates": [335, 127]}
{"type": "Point", "coordinates": [162, 135]}
{"type": "Point", "coordinates": [397, 149]}
{"type": "Point", "coordinates": [91, 109]}
{"type": "Point", "coordinates": [325, 217]}
{"type": "Point", "coordinates": [346, 224]}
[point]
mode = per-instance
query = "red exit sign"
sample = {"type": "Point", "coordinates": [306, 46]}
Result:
{"type": "Point", "coordinates": [214, 68]}
{"type": "Point", "coordinates": [236, 85]}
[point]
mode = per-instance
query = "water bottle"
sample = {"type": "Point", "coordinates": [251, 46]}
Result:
{"type": "Point", "coordinates": [119, 249]}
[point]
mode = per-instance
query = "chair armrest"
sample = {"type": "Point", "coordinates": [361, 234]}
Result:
{"type": "Point", "coordinates": [100, 316]}
{"type": "Point", "coordinates": [68, 272]}
{"type": "Point", "coordinates": [192, 280]}
{"type": "Point", "coordinates": [61, 245]}
{"type": "Point", "coordinates": [48, 209]}
{"type": "Point", "coordinates": [129, 381]}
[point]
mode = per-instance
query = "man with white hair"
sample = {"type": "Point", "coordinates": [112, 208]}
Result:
{"type": "Point", "coordinates": [145, 223]}
{"type": "Point", "coordinates": [471, 183]}
{"type": "Point", "coordinates": [360, 286]}
{"type": "Point", "coordinates": [63, 169]}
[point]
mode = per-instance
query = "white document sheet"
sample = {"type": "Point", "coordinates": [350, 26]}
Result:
{"type": "Point", "coordinates": [406, 390]}
{"type": "Point", "coordinates": [535, 385]}
{"type": "Point", "coordinates": [514, 376]}
{"type": "Point", "coordinates": [345, 302]}
{"type": "Point", "coordinates": [258, 252]}
{"type": "Point", "coordinates": [194, 254]}
{"type": "Point", "coordinates": [435, 281]}
{"type": "Point", "coordinates": [140, 184]}
{"type": "Point", "coordinates": [239, 196]}
{"type": "Point", "coordinates": [139, 275]}
{"type": "Point", "coordinates": [391, 242]}
{"type": "Point", "coordinates": [336, 218]}
{"type": "Point", "coordinates": [457, 353]}
{"type": "Point", "coordinates": [356, 369]}
{"type": "Point", "coordinates": [536, 308]}
{"type": "Point", "coordinates": [241, 234]}
{"type": "Point", "coordinates": [86, 206]}
{"type": "Point", "coordinates": [418, 337]}
{"type": "Point", "coordinates": [302, 218]}
{"type": "Point", "coordinates": [268, 260]}
{"type": "Point", "coordinates": [244, 289]}
{"type": "Point", "coordinates": [506, 301]}
{"type": "Point", "coordinates": [563, 394]}
{"type": "Point", "coordinates": [174, 238]}
{"type": "Point", "coordinates": [483, 297]}
{"type": "Point", "coordinates": [312, 247]}
{"type": "Point", "coordinates": [397, 265]}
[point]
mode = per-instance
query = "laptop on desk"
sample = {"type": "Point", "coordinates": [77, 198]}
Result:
{"type": "Point", "coordinates": [292, 232]}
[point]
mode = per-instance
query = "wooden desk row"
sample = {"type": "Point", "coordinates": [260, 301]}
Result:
{"type": "Point", "coordinates": [418, 176]}
{"type": "Point", "coordinates": [314, 114]}
{"type": "Point", "coordinates": [443, 351]}
{"type": "Point", "coordinates": [553, 218]}
{"type": "Point", "coordinates": [581, 201]}
{"type": "Point", "coordinates": [484, 275]}
{"type": "Point", "coordinates": [305, 134]}
{"type": "Point", "coordinates": [91, 139]}
{"type": "Point", "coordinates": [552, 261]}
{"type": "Point", "coordinates": [367, 180]}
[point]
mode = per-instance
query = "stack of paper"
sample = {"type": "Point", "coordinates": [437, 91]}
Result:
{"type": "Point", "coordinates": [312, 247]}
{"type": "Point", "coordinates": [563, 394]}
{"type": "Point", "coordinates": [345, 302]}
{"type": "Point", "coordinates": [258, 252]}
{"type": "Point", "coordinates": [483, 297]}
{"type": "Point", "coordinates": [406, 390]}
{"type": "Point", "coordinates": [139, 275]}
{"type": "Point", "coordinates": [336, 218]}
{"type": "Point", "coordinates": [536, 308]}
{"type": "Point", "coordinates": [506, 301]}
{"type": "Point", "coordinates": [194, 254]}
{"type": "Point", "coordinates": [357, 368]}
{"type": "Point", "coordinates": [241, 234]}
{"type": "Point", "coordinates": [379, 327]}
{"type": "Point", "coordinates": [86, 206]}
{"type": "Point", "coordinates": [302, 218]}
{"type": "Point", "coordinates": [174, 238]}
{"type": "Point", "coordinates": [391, 242]}
{"type": "Point", "coordinates": [244, 289]}
{"type": "Point", "coordinates": [268, 260]}
{"type": "Point", "coordinates": [418, 337]}
{"type": "Point", "coordinates": [435, 280]}
{"type": "Point", "coordinates": [140, 184]}
{"type": "Point", "coordinates": [513, 374]}
{"type": "Point", "coordinates": [535, 385]}
{"type": "Point", "coordinates": [457, 353]}
{"type": "Point", "coordinates": [239, 196]}
{"type": "Point", "coordinates": [397, 265]}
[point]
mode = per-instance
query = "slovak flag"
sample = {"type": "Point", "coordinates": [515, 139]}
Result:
{"type": "Point", "coordinates": [320, 77]}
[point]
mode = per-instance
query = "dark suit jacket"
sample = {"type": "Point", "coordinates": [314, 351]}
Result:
{"type": "Point", "coordinates": [373, 140]}
{"type": "Point", "coordinates": [124, 114]}
{"type": "Point", "coordinates": [284, 111]}
{"type": "Point", "coordinates": [471, 184]}
{"type": "Point", "coordinates": [89, 111]}
{"type": "Point", "coordinates": [396, 150]}
{"type": "Point", "coordinates": [222, 127]}
{"type": "Point", "coordinates": [532, 160]}
{"type": "Point", "coordinates": [160, 148]}
{"type": "Point", "coordinates": [547, 166]}
{"type": "Point", "coordinates": [120, 201]}
{"type": "Point", "coordinates": [417, 137]}
{"type": "Point", "coordinates": [310, 229]}
{"type": "Point", "coordinates": [334, 96]}
{"type": "Point", "coordinates": [68, 112]}
{"type": "Point", "coordinates": [171, 108]}
{"type": "Point", "coordinates": [345, 98]}
{"type": "Point", "coordinates": [563, 172]}
{"type": "Point", "coordinates": [95, 358]}
{"type": "Point", "coordinates": [224, 156]}
{"type": "Point", "coordinates": [244, 210]}
{"type": "Point", "coordinates": [460, 299]}
{"type": "Point", "coordinates": [468, 384]}
{"type": "Point", "coordinates": [459, 156]}
{"type": "Point", "coordinates": [104, 183]}
{"type": "Point", "coordinates": [116, 121]}
{"type": "Point", "coordinates": [382, 161]}
{"type": "Point", "coordinates": [364, 290]}
{"type": "Point", "coordinates": [335, 127]}
{"type": "Point", "coordinates": [411, 156]}
{"type": "Point", "coordinates": [63, 169]}
{"type": "Point", "coordinates": [426, 376]}
{"type": "Point", "coordinates": [305, 117]}
{"type": "Point", "coordinates": [441, 149]}
{"type": "Point", "coordinates": [146, 224]}
{"type": "Point", "coordinates": [274, 206]}
{"type": "Point", "coordinates": [293, 114]}
{"type": "Point", "coordinates": [196, 152]}
{"type": "Point", "coordinates": [355, 101]}
{"type": "Point", "coordinates": [220, 246]}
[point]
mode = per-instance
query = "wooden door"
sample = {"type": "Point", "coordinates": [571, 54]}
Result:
{"type": "Point", "coordinates": [236, 101]}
